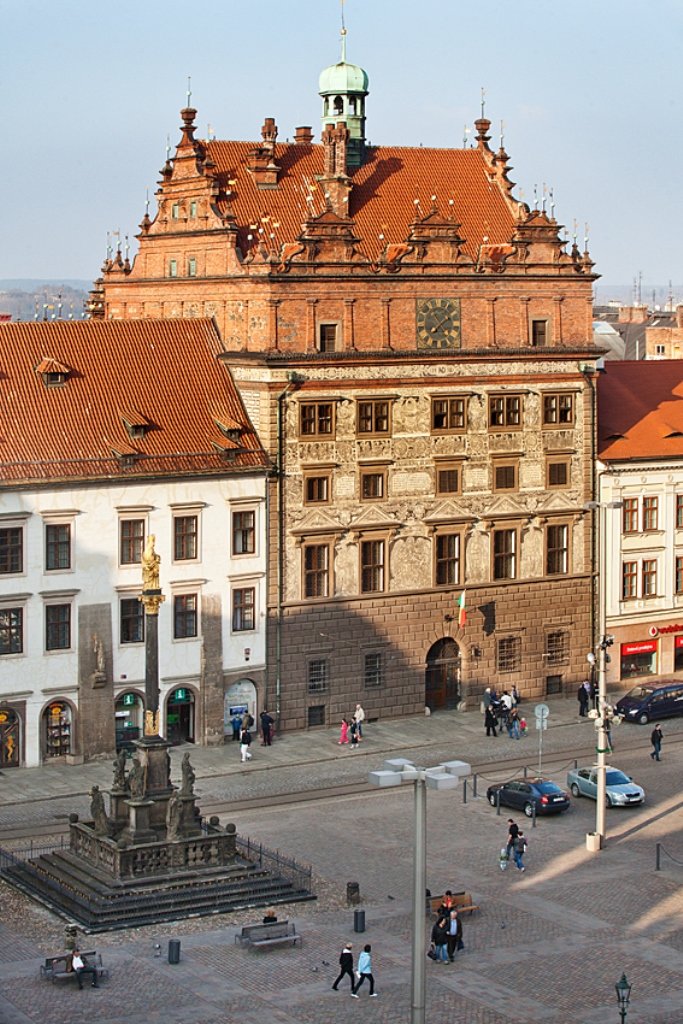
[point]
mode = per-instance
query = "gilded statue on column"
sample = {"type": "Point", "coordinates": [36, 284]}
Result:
{"type": "Point", "coordinates": [150, 565]}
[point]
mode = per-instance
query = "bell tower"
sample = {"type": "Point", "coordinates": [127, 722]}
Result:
{"type": "Point", "coordinates": [343, 88]}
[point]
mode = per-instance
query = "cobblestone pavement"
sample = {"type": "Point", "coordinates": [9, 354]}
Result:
{"type": "Point", "coordinates": [546, 946]}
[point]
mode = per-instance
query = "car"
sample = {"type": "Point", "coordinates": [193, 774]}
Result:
{"type": "Point", "coordinates": [621, 789]}
{"type": "Point", "coordinates": [541, 796]}
{"type": "Point", "coordinates": [645, 702]}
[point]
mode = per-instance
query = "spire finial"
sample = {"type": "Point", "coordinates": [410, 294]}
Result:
{"type": "Point", "coordinates": [343, 34]}
{"type": "Point", "coordinates": [189, 91]}
{"type": "Point", "coordinates": [502, 134]}
{"type": "Point", "coordinates": [168, 148]}
{"type": "Point", "coordinates": [147, 201]}
{"type": "Point", "coordinates": [483, 101]}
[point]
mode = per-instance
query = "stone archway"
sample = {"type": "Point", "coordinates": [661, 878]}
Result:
{"type": "Point", "coordinates": [442, 675]}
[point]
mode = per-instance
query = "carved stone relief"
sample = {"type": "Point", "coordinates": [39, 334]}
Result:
{"type": "Point", "coordinates": [410, 563]}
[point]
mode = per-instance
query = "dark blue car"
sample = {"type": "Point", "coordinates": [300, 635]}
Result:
{"type": "Point", "coordinates": [544, 796]}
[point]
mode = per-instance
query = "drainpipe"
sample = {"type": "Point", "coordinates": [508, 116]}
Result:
{"type": "Point", "coordinates": [281, 536]}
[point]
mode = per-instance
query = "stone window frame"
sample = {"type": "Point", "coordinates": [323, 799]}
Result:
{"type": "Point", "coordinates": [629, 580]}
{"type": "Point", "coordinates": [374, 669]}
{"type": "Point", "coordinates": [131, 599]}
{"type": "Point", "coordinates": [191, 266]}
{"type": "Point", "coordinates": [514, 530]}
{"type": "Point", "coordinates": [9, 524]}
{"type": "Point", "coordinates": [373, 483]}
{"type": "Point", "coordinates": [371, 413]}
{"type": "Point", "coordinates": [50, 628]}
{"type": "Point", "coordinates": [243, 609]}
{"type": "Point", "coordinates": [505, 411]}
{"type": "Point", "coordinates": [441, 534]}
{"type": "Point", "coordinates": [450, 414]}
{"type": "Point", "coordinates": [319, 419]}
{"type": "Point", "coordinates": [557, 461]}
{"type": "Point", "coordinates": [509, 653]}
{"type": "Point", "coordinates": [310, 573]}
{"type": "Point", "coordinates": [547, 322]}
{"type": "Point", "coordinates": [557, 551]}
{"type": "Point", "coordinates": [179, 595]}
{"type": "Point", "coordinates": [650, 513]}
{"type": "Point", "coordinates": [317, 675]}
{"type": "Point", "coordinates": [630, 516]}
{"type": "Point", "coordinates": [373, 567]}
{"type": "Point", "coordinates": [442, 468]}
{"type": "Point", "coordinates": [557, 646]}
{"type": "Point", "coordinates": [324, 327]}
{"type": "Point", "coordinates": [187, 512]}
{"type": "Point", "coordinates": [558, 409]}
{"type": "Point", "coordinates": [324, 477]}
{"type": "Point", "coordinates": [57, 521]}
{"type": "Point", "coordinates": [173, 268]}
{"type": "Point", "coordinates": [16, 606]}
{"type": "Point", "coordinates": [237, 550]}
{"type": "Point", "coordinates": [504, 463]}
{"type": "Point", "coordinates": [648, 577]}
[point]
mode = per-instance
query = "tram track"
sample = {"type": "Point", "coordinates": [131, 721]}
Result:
{"type": "Point", "coordinates": [486, 771]}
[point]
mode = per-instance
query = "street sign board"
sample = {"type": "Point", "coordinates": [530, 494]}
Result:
{"type": "Point", "coordinates": [542, 711]}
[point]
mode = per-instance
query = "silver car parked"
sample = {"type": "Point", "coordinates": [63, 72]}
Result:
{"type": "Point", "coordinates": [621, 789]}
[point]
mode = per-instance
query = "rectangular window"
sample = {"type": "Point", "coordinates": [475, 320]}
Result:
{"type": "Point", "coordinates": [193, 209]}
{"type": "Point", "coordinates": [172, 268]}
{"type": "Point", "coordinates": [132, 621]}
{"type": "Point", "coordinates": [679, 574]}
{"type": "Point", "coordinates": [175, 211]}
{"type": "Point", "coordinates": [372, 484]}
{"type": "Point", "coordinates": [317, 489]}
{"type": "Point", "coordinates": [328, 337]}
{"type": "Point", "coordinates": [373, 670]}
{"type": "Point", "coordinates": [448, 415]}
{"type": "Point", "coordinates": [650, 514]}
{"type": "Point", "coordinates": [11, 549]}
{"type": "Point", "coordinates": [192, 267]}
{"type": "Point", "coordinates": [131, 541]}
{"type": "Point", "coordinates": [630, 515]}
{"type": "Point", "coordinates": [505, 411]}
{"type": "Point", "coordinates": [184, 616]}
{"type": "Point", "coordinates": [244, 533]}
{"type": "Point", "coordinates": [504, 554]}
{"type": "Point", "coordinates": [371, 566]}
{"type": "Point", "coordinates": [58, 546]}
{"type": "Point", "coordinates": [539, 333]}
{"type": "Point", "coordinates": [373, 417]}
{"type": "Point", "coordinates": [316, 570]}
{"type": "Point", "coordinates": [557, 475]}
{"type": "Point", "coordinates": [11, 630]}
{"type": "Point", "coordinates": [447, 561]}
{"type": "Point", "coordinates": [557, 647]}
{"type": "Point", "coordinates": [509, 654]}
{"type": "Point", "coordinates": [316, 715]}
{"type": "Point", "coordinates": [243, 609]}
{"type": "Point", "coordinates": [629, 580]}
{"type": "Point", "coordinates": [184, 537]}
{"type": "Point", "coordinates": [649, 575]}
{"type": "Point", "coordinates": [316, 418]}
{"type": "Point", "coordinates": [57, 627]}
{"type": "Point", "coordinates": [558, 410]}
{"type": "Point", "coordinates": [679, 511]}
{"type": "Point", "coordinates": [505, 476]}
{"type": "Point", "coordinates": [318, 675]}
{"type": "Point", "coordinates": [447, 478]}
{"type": "Point", "coordinates": [557, 550]}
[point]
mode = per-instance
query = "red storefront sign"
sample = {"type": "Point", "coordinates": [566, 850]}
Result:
{"type": "Point", "coordinates": [678, 641]}
{"type": "Point", "coordinates": [640, 647]}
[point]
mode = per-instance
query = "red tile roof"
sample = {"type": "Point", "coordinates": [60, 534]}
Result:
{"type": "Point", "coordinates": [640, 410]}
{"type": "Point", "coordinates": [167, 371]}
{"type": "Point", "coordinates": [382, 200]}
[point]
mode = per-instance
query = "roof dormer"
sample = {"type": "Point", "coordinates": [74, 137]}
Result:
{"type": "Point", "coordinates": [54, 373]}
{"type": "Point", "coordinates": [135, 423]}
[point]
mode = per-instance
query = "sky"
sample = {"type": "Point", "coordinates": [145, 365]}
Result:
{"type": "Point", "coordinates": [589, 91]}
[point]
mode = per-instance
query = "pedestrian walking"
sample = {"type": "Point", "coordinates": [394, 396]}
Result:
{"type": "Point", "coordinates": [583, 696]}
{"type": "Point", "coordinates": [245, 743]}
{"type": "Point", "coordinates": [236, 723]}
{"type": "Point", "coordinates": [516, 696]}
{"type": "Point", "coordinates": [346, 965]}
{"type": "Point", "coordinates": [267, 722]}
{"type": "Point", "coordinates": [490, 721]}
{"type": "Point", "coordinates": [344, 732]}
{"type": "Point", "coordinates": [486, 700]}
{"type": "Point", "coordinates": [513, 725]}
{"type": "Point", "coordinates": [454, 935]}
{"type": "Point", "coordinates": [513, 832]}
{"type": "Point", "coordinates": [656, 738]}
{"type": "Point", "coordinates": [363, 971]}
{"type": "Point", "coordinates": [353, 730]}
{"type": "Point", "coordinates": [519, 849]}
{"type": "Point", "coordinates": [359, 718]}
{"type": "Point", "coordinates": [439, 939]}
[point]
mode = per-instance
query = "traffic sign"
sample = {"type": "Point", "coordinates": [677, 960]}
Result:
{"type": "Point", "coordinates": [542, 711]}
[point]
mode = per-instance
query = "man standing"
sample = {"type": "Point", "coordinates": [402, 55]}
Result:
{"type": "Point", "coordinates": [583, 696]}
{"type": "Point", "coordinates": [520, 850]}
{"type": "Point", "coordinates": [266, 728]}
{"type": "Point", "coordinates": [245, 743]}
{"type": "Point", "coordinates": [454, 934]}
{"type": "Point", "coordinates": [656, 738]}
{"type": "Point", "coordinates": [513, 832]}
{"type": "Point", "coordinates": [359, 718]}
{"type": "Point", "coordinates": [346, 965]}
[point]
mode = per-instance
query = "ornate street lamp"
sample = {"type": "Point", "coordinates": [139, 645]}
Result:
{"type": "Point", "coordinates": [623, 996]}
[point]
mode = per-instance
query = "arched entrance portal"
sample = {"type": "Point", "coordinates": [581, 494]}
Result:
{"type": "Point", "coordinates": [9, 738]}
{"type": "Point", "coordinates": [129, 712]}
{"type": "Point", "coordinates": [239, 698]}
{"type": "Point", "coordinates": [442, 677]}
{"type": "Point", "coordinates": [180, 716]}
{"type": "Point", "coordinates": [57, 729]}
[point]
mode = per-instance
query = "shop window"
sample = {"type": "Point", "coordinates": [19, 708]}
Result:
{"type": "Point", "coordinates": [57, 627]}
{"type": "Point", "coordinates": [650, 514]}
{"type": "Point", "coordinates": [316, 419]}
{"type": "Point", "coordinates": [132, 621]}
{"type": "Point", "coordinates": [630, 515]}
{"type": "Point", "coordinates": [509, 654]}
{"type": "Point", "coordinates": [316, 565]}
{"type": "Point", "coordinates": [57, 718]}
{"type": "Point", "coordinates": [505, 411]}
{"type": "Point", "coordinates": [447, 559]}
{"type": "Point", "coordinates": [557, 647]}
{"type": "Point", "coordinates": [558, 410]}
{"type": "Point", "coordinates": [629, 581]}
{"type": "Point", "coordinates": [373, 484]}
{"type": "Point", "coordinates": [373, 670]}
{"type": "Point", "coordinates": [184, 616]}
{"type": "Point", "coordinates": [317, 489]}
{"type": "Point", "coordinates": [557, 550]}
{"type": "Point", "coordinates": [318, 673]}
{"type": "Point", "coordinates": [649, 577]}
{"type": "Point", "coordinates": [447, 477]}
{"type": "Point", "coordinates": [244, 532]}
{"type": "Point", "coordinates": [373, 417]}
{"type": "Point", "coordinates": [372, 555]}
{"type": "Point", "coordinates": [57, 546]}
{"type": "Point", "coordinates": [9, 738]}
{"type": "Point", "coordinates": [639, 659]}
{"type": "Point", "coordinates": [243, 609]}
{"type": "Point", "coordinates": [505, 476]}
{"type": "Point", "coordinates": [185, 530]}
{"type": "Point", "coordinates": [316, 715]}
{"type": "Point", "coordinates": [557, 473]}
{"type": "Point", "coordinates": [678, 654]}
{"type": "Point", "coordinates": [504, 554]}
{"type": "Point", "coordinates": [131, 541]}
{"type": "Point", "coordinates": [448, 415]}
{"type": "Point", "coordinates": [11, 630]}
{"type": "Point", "coordinates": [11, 549]}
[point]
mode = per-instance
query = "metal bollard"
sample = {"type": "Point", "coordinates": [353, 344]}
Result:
{"type": "Point", "coordinates": [533, 815]}
{"type": "Point", "coordinates": [498, 802]}
{"type": "Point", "coordinates": [464, 791]}
{"type": "Point", "coordinates": [474, 784]}
{"type": "Point", "coordinates": [526, 771]}
{"type": "Point", "coordinates": [658, 860]}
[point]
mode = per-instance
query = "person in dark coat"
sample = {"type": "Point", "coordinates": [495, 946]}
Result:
{"type": "Point", "coordinates": [583, 696]}
{"type": "Point", "coordinates": [656, 738]}
{"type": "Point", "coordinates": [440, 939]}
{"type": "Point", "coordinates": [267, 722]}
{"type": "Point", "coordinates": [490, 721]}
{"type": "Point", "coordinates": [346, 965]}
{"type": "Point", "coordinates": [454, 934]}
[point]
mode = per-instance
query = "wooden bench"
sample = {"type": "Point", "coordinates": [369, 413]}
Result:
{"type": "Point", "coordinates": [56, 968]}
{"type": "Point", "coordinates": [275, 934]}
{"type": "Point", "coordinates": [462, 902]}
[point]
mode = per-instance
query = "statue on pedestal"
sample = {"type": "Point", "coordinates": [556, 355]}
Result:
{"type": "Point", "coordinates": [120, 771]}
{"type": "Point", "coordinates": [173, 815]}
{"type": "Point", "coordinates": [150, 565]}
{"type": "Point", "coordinates": [187, 788]}
{"type": "Point", "coordinates": [99, 815]}
{"type": "Point", "coordinates": [137, 780]}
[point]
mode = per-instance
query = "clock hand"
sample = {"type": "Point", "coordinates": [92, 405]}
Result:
{"type": "Point", "coordinates": [440, 324]}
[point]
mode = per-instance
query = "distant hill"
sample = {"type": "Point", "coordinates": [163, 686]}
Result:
{"type": "Point", "coordinates": [41, 299]}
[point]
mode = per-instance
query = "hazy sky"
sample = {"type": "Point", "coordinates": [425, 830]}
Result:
{"type": "Point", "coordinates": [590, 93]}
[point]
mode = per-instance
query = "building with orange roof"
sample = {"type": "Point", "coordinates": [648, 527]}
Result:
{"type": "Point", "coordinates": [414, 346]}
{"type": "Point", "coordinates": [99, 448]}
{"type": "Point", "coordinates": [641, 470]}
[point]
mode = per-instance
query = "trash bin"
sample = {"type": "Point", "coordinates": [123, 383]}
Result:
{"type": "Point", "coordinates": [352, 892]}
{"type": "Point", "coordinates": [174, 951]}
{"type": "Point", "coordinates": [359, 920]}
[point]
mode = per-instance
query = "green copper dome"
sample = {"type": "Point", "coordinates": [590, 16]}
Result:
{"type": "Point", "coordinates": [343, 78]}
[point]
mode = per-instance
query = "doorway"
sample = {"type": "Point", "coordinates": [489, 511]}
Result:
{"type": "Point", "coordinates": [57, 729]}
{"type": "Point", "coordinates": [129, 712]}
{"type": "Point", "coordinates": [180, 716]}
{"type": "Point", "coordinates": [9, 738]}
{"type": "Point", "coordinates": [442, 677]}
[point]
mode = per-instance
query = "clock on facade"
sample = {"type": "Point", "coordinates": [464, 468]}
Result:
{"type": "Point", "coordinates": [438, 323]}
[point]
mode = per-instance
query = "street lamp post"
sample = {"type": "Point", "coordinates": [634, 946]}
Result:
{"type": "Point", "coordinates": [623, 996]}
{"type": "Point", "coordinates": [605, 642]}
{"type": "Point", "coordinates": [444, 776]}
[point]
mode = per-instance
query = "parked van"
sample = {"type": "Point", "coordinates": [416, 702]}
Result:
{"type": "Point", "coordinates": [645, 702]}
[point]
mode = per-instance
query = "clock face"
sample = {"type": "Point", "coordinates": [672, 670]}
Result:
{"type": "Point", "coordinates": [438, 323]}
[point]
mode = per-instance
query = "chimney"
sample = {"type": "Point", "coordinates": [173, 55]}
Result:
{"type": "Point", "coordinates": [303, 136]}
{"type": "Point", "coordinates": [261, 159]}
{"type": "Point", "coordinates": [679, 316]}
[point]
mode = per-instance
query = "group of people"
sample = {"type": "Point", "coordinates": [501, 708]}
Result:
{"type": "Point", "coordinates": [243, 723]}
{"type": "Point", "coordinates": [516, 845]}
{"type": "Point", "coordinates": [363, 970]}
{"type": "Point", "coordinates": [351, 731]}
{"type": "Point", "coordinates": [501, 712]}
{"type": "Point", "coordinates": [446, 937]}
{"type": "Point", "coordinates": [586, 696]}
